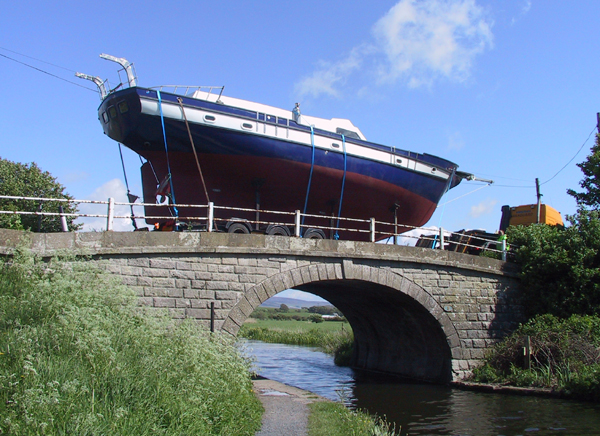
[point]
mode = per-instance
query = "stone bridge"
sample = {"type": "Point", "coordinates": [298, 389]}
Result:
{"type": "Point", "coordinates": [427, 314]}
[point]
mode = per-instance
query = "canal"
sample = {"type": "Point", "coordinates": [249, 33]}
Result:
{"type": "Point", "coordinates": [421, 409]}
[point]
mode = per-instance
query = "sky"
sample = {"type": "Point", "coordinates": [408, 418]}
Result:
{"type": "Point", "coordinates": [508, 90]}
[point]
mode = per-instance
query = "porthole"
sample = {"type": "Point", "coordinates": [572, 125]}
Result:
{"type": "Point", "coordinates": [247, 126]}
{"type": "Point", "coordinates": [209, 118]}
{"type": "Point", "coordinates": [123, 107]}
{"type": "Point", "coordinates": [334, 145]}
{"type": "Point", "coordinates": [399, 161]}
{"type": "Point", "coordinates": [433, 170]}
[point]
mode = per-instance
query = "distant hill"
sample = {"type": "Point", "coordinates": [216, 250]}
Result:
{"type": "Point", "coordinates": [292, 303]}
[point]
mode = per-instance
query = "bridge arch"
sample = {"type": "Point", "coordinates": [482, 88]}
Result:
{"type": "Point", "coordinates": [429, 314]}
{"type": "Point", "coordinates": [398, 326]}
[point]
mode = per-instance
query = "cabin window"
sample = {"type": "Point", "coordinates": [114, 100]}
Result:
{"type": "Point", "coordinates": [347, 133]}
{"type": "Point", "coordinates": [261, 117]}
{"type": "Point", "coordinates": [247, 126]}
{"type": "Point", "coordinates": [282, 121]}
{"type": "Point", "coordinates": [112, 112]}
{"type": "Point", "coordinates": [105, 117]}
{"type": "Point", "coordinates": [209, 118]}
{"type": "Point", "coordinates": [271, 119]}
{"type": "Point", "coordinates": [123, 107]}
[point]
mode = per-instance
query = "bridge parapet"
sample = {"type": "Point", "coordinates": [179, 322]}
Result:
{"type": "Point", "coordinates": [419, 312]}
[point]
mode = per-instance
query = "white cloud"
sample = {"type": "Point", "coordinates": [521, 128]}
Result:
{"type": "Point", "coordinates": [456, 141]}
{"type": "Point", "coordinates": [329, 75]}
{"type": "Point", "coordinates": [111, 189]}
{"type": "Point", "coordinates": [524, 10]}
{"type": "Point", "coordinates": [484, 208]}
{"type": "Point", "coordinates": [416, 42]}
{"type": "Point", "coordinates": [425, 40]}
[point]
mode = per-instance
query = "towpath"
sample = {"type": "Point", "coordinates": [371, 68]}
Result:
{"type": "Point", "coordinates": [286, 408]}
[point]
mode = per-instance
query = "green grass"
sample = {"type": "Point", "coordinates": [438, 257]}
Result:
{"type": "Point", "coordinates": [77, 356]}
{"type": "Point", "coordinates": [292, 325]}
{"type": "Point", "coordinates": [334, 419]}
{"type": "Point", "coordinates": [335, 341]}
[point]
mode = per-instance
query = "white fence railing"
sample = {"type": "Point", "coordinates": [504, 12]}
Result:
{"type": "Point", "coordinates": [209, 222]}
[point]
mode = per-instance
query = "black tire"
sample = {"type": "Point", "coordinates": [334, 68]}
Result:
{"type": "Point", "coordinates": [238, 228]}
{"type": "Point", "coordinates": [278, 230]}
{"type": "Point", "coordinates": [314, 234]}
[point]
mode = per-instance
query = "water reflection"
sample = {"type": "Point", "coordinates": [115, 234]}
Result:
{"type": "Point", "coordinates": [425, 409]}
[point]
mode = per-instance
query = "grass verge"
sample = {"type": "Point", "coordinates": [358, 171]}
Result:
{"type": "Point", "coordinates": [334, 419]}
{"type": "Point", "coordinates": [77, 356]}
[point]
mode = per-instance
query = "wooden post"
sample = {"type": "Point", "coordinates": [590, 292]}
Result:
{"type": "Point", "coordinates": [527, 352]}
{"type": "Point", "coordinates": [212, 316]}
{"type": "Point", "coordinates": [372, 229]}
{"type": "Point", "coordinates": [297, 224]}
{"type": "Point", "coordinates": [211, 216]}
{"type": "Point", "coordinates": [111, 214]}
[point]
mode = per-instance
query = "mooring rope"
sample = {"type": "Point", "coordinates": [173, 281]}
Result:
{"type": "Point", "coordinates": [162, 121]}
{"type": "Point", "coordinates": [193, 148]}
{"type": "Point", "coordinates": [337, 236]}
{"type": "Point", "coordinates": [312, 165]}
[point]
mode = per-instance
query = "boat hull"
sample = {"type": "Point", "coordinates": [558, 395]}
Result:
{"type": "Point", "coordinates": [271, 166]}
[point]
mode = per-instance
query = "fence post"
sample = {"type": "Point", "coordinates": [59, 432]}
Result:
{"type": "Point", "coordinates": [442, 242]}
{"type": "Point", "coordinates": [211, 215]}
{"type": "Point", "coordinates": [297, 224]}
{"type": "Point", "coordinates": [63, 220]}
{"type": "Point", "coordinates": [372, 229]}
{"type": "Point", "coordinates": [111, 214]}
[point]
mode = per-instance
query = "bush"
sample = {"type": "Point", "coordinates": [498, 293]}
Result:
{"type": "Point", "coordinates": [560, 267]}
{"type": "Point", "coordinates": [78, 357]}
{"type": "Point", "coordinates": [565, 356]}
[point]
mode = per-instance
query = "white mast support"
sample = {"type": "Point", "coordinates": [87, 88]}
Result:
{"type": "Point", "coordinates": [98, 81]}
{"type": "Point", "coordinates": [127, 66]}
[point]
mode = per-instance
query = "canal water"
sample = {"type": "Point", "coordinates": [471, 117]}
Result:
{"type": "Point", "coordinates": [421, 409]}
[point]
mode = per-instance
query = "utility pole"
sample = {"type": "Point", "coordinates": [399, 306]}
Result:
{"type": "Point", "coordinates": [598, 121]}
{"type": "Point", "coordinates": [539, 199]}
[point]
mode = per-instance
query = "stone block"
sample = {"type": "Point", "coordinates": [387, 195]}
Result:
{"type": "Point", "coordinates": [162, 264]}
{"type": "Point", "coordinates": [164, 302]}
{"type": "Point", "coordinates": [226, 295]}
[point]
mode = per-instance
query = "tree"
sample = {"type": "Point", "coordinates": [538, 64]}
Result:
{"type": "Point", "coordinates": [283, 307]}
{"type": "Point", "coordinates": [28, 180]}
{"type": "Point", "coordinates": [591, 180]}
{"type": "Point", "coordinates": [560, 266]}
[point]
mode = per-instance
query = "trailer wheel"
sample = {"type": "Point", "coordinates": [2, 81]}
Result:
{"type": "Point", "coordinates": [238, 228]}
{"type": "Point", "coordinates": [314, 234]}
{"type": "Point", "coordinates": [278, 230]}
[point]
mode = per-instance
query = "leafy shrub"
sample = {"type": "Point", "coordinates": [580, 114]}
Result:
{"type": "Point", "coordinates": [565, 355]}
{"type": "Point", "coordinates": [560, 266]}
{"type": "Point", "coordinates": [78, 357]}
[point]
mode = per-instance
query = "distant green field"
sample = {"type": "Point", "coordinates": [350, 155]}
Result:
{"type": "Point", "coordinates": [292, 325]}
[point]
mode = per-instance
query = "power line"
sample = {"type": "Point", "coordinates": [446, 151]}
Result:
{"type": "Point", "coordinates": [578, 151]}
{"type": "Point", "coordinates": [46, 72]}
{"type": "Point", "coordinates": [39, 60]}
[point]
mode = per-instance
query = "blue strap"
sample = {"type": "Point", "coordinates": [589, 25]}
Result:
{"type": "Point", "coordinates": [337, 236]}
{"type": "Point", "coordinates": [162, 121]}
{"type": "Point", "coordinates": [312, 165]}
